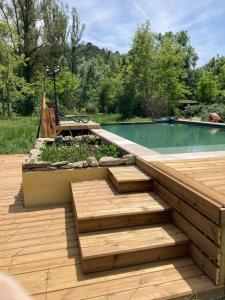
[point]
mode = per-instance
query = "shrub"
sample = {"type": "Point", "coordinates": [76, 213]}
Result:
{"type": "Point", "coordinates": [203, 110]}
{"type": "Point", "coordinates": [25, 105]}
{"type": "Point", "coordinates": [91, 108]}
{"type": "Point", "coordinates": [157, 107]}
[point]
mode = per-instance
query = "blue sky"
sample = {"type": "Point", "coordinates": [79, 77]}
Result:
{"type": "Point", "coordinates": [111, 23]}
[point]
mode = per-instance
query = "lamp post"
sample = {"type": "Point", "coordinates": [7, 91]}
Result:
{"type": "Point", "coordinates": [53, 72]}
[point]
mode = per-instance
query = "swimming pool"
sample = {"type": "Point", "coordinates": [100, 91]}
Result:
{"type": "Point", "coordinates": [167, 138]}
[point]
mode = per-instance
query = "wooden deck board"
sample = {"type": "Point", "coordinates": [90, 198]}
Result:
{"type": "Point", "coordinates": [209, 172]}
{"type": "Point", "coordinates": [40, 250]}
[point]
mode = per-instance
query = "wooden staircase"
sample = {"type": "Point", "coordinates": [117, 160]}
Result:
{"type": "Point", "coordinates": [120, 222]}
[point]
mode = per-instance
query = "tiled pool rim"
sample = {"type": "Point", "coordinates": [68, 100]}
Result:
{"type": "Point", "coordinates": [151, 155]}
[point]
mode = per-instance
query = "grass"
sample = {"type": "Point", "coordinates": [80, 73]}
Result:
{"type": "Point", "coordinates": [114, 118]}
{"type": "Point", "coordinates": [17, 135]}
{"type": "Point", "coordinates": [79, 151]}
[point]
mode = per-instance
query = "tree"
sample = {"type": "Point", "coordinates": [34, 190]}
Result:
{"type": "Point", "coordinates": [90, 74]}
{"type": "Point", "coordinates": [170, 72]}
{"type": "Point", "coordinates": [23, 15]}
{"type": "Point", "coordinates": [55, 33]}
{"type": "Point", "coordinates": [77, 30]}
{"type": "Point", "coordinates": [206, 89]}
{"type": "Point", "coordinates": [155, 71]}
{"type": "Point", "coordinates": [142, 64]}
{"type": "Point", "coordinates": [10, 82]}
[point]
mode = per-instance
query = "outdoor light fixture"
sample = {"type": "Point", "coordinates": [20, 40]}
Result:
{"type": "Point", "coordinates": [53, 72]}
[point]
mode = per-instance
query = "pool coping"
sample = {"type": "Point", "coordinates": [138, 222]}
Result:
{"type": "Point", "coordinates": [147, 154]}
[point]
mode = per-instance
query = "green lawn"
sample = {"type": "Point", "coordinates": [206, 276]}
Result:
{"type": "Point", "coordinates": [18, 134]}
{"type": "Point", "coordinates": [114, 118]}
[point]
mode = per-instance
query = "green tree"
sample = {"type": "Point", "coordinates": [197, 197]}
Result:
{"type": "Point", "coordinates": [55, 33]}
{"type": "Point", "coordinates": [206, 90]}
{"type": "Point", "coordinates": [142, 64]}
{"type": "Point", "coordinates": [10, 83]}
{"type": "Point", "coordinates": [77, 30]}
{"type": "Point", "coordinates": [22, 17]}
{"type": "Point", "coordinates": [170, 72]}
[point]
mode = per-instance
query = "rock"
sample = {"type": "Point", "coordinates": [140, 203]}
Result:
{"type": "Point", "coordinates": [46, 140]}
{"type": "Point", "coordinates": [39, 145]}
{"type": "Point", "coordinates": [35, 152]}
{"type": "Point", "coordinates": [129, 159]}
{"type": "Point", "coordinates": [60, 163]}
{"type": "Point", "coordinates": [36, 165]}
{"type": "Point", "coordinates": [67, 138]}
{"type": "Point", "coordinates": [110, 161]}
{"type": "Point", "coordinates": [78, 138]}
{"type": "Point", "coordinates": [85, 164]}
{"type": "Point", "coordinates": [92, 161]}
{"type": "Point", "coordinates": [75, 165]}
{"type": "Point", "coordinates": [30, 160]}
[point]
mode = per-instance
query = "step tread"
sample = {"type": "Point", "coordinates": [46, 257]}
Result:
{"type": "Point", "coordinates": [132, 239]}
{"type": "Point", "coordinates": [128, 174]}
{"type": "Point", "coordinates": [100, 198]}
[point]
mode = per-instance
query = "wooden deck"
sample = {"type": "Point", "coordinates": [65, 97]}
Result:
{"type": "Point", "coordinates": [39, 248]}
{"type": "Point", "coordinates": [73, 126]}
{"type": "Point", "coordinates": [208, 172]}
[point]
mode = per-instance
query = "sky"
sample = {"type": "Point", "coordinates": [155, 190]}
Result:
{"type": "Point", "coordinates": [111, 24]}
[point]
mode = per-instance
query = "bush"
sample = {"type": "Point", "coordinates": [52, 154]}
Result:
{"type": "Point", "coordinates": [157, 107]}
{"type": "Point", "coordinates": [203, 110]}
{"type": "Point", "coordinates": [91, 108]}
{"type": "Point", "coordinates": [25, 105]}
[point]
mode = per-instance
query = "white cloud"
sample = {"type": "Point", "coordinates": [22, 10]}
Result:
{"type": "Point", "coordinates": [111, 24]}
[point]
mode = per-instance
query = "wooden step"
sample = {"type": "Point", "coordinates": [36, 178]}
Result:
{"type": "Point", "coordinates": [129, 179]}
{"type": "Point", "coordinates": [105, 250]}
{"type": "Point", "coordinates": [98, 206]}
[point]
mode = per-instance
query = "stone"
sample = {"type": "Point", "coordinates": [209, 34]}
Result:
{"type": "Point", "coordinates": [30, 160]}
{"type": "Point", "coordinates": [67, 138]}
{"type": "Point", "coordinates": [110, 161]}
{"type": "Point", "coordinates": [75, 165]}
{"type": "Point", "coordinates": [39, 145]}
{"type": "Point", "coordinates": [36, 165]}
{"type": "Point", "coordinates": [92, 161]}
{"type": "Point", "coordinates": [59, 163]}
{"type": "Point", "coordinates": [46, 140]}
{"type": "Point", "coordinates": [35, 152]}
{"type": "Point", "coordinates": [85, 164]}
{"type": "Point", "coordinates": [129, 159]}
{"type": "Point", "coordinates": [78, 138]}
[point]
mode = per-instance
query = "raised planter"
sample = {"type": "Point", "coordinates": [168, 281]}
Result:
{"type": "Point", "coordinates": [46, 183]}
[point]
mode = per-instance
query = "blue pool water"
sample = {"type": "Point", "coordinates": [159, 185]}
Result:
{"type": "Point", "coordinates": [168, 138]}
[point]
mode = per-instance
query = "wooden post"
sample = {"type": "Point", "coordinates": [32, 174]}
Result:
{"type": "Point", "coordinates": [222, 247]}
{"type": "Point", "coordinates": [48, 122]}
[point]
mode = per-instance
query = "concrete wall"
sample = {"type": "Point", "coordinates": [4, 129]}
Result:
{"type": "Point", "coordinates": [53, 187]}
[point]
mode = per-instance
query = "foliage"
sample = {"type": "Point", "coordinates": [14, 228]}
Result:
{"type": "Point", "coordinates": [206, 89]}
{"type": "Point", "coordinates": [11, 85]}
{"type": "Point", "coordinates": [79, 150]}
{"type": "Point", "coordinates": [155, 68]}
{"type": "Point", "coordinates": [18, 134]}
{"type": "Point", "coordinates": [25, 105]}
{"type": "Point", "coordinates": [202, 110]}
{"type": "Point", "coordinates": [157, 107]}
{"type": "Point", "coordinates": [149, 80]}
